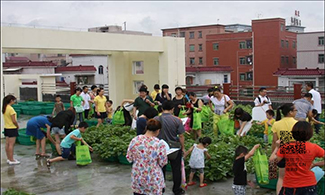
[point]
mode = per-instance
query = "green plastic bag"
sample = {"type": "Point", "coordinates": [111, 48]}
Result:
{"type": "Point", "coordinates": [216, 119]}
{"type": "Point", "coordinates": [225, 125]}
{"type": "Point", "coordinates": [118, 117]}
{"type": "Point", "coordinates": [261, 165]}
{"type": "Point", "coordinates": [205, 113]}
{"type": "Point", "coordinates": [82, 154]}
{"type": "Point", "coordinates": [270, 135]}
{"type": "Point", "coordinates": [181, 112]}
{"type": "Point", "coordinates": [197, 123]}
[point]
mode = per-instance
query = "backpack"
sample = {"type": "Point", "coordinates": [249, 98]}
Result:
{"type": "Point", "coordinates": [259, 99]}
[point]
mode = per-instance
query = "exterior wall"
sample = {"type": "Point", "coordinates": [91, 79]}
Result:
{"type": "Point", "coordinates": [206, 30]}
{"type": "Point", "coordinates": [229, 53]}
{"type": "Point", "coordinates": [286, 81]}
{"type": "Point", "coordinates": [95, 61]}
{"type": "Point", "coordinates": [38, 70]}
{"type": "Point", "coordinates": [308, 50]}
{"type": "Point", "coordinates": [268, 50]}
{"type": "Point", "coordinates": [166, 60]}
{"type": "Point", "coordinates": [215, 77]}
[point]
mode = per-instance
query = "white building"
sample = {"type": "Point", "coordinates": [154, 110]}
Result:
{"type": "Point", "coordinates": [310, 50]}
{"type": "Point", "coordinates": [208, 75]}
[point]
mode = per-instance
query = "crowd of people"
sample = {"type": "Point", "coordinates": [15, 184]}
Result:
{"type": "Point", "coordinates": [160, 134]}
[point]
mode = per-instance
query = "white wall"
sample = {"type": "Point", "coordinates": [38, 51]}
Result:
{"type": "Point", "coordinates": [308, 50]}
{"type": "Point", "coordinates": [94, 61]}
{"type": "Point", "coordinates": [215, 77]}
{"type": "Point", "coordinates": [38, 70]}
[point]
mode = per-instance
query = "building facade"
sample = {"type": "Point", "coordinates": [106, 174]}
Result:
{"type": "Point", "coordinates": [195, 40]}
{"type": "Point", "coordinates": [254, 55]}
{"type": "Point", "coordinates": [310, 50]}
{"type": "Point", "coordinates": [208, 75]}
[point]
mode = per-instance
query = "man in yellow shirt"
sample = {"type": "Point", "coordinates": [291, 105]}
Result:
{"type": "Point", "coordinates": [155, 91]}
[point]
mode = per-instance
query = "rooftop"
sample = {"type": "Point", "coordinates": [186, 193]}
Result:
{"type": "Point", "coordinates": [20, 59]}
{"type": "Point", "coordinates": [299, 72]}
{"type": "Point", "coordinates": [29, 64]}
{"type": "Point", "coordinates": [209, 69]}
{"type": "Point", "coordinates": [79, 68]}
{"type": "Point", "coordinates": [198, 26]}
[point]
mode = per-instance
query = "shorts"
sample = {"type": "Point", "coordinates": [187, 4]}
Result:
{"type": "Point", "coordinates": [57, 130]}
{"type": "Point", "coordinates": [103, 115]}
{"type": "Point", "coordinates": [66, 151]}
{"type": "Point", "coordinates": [282, 163]}
{"type": "Point", "coordinates": [200, 170]}
{"type": "Point", "coordinates": [239, 189]}
{"type": "Point", "coordinates": [11, 132]}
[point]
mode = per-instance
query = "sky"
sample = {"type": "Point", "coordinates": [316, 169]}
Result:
{"type": "Point", "coordinates": [152, 16]}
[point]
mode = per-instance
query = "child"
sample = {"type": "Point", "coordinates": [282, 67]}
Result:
{"type": "Point", "coordinates": [58, 106]}
{"type": "Point", "coordinates": [110, 112]}
{"type": "Point", "coordinates": [239, 169]}
{"type": "Point", "coordinates": [312, 119]}
{"type": "Point", "coordinates": [67, 144]}
{"type": "Point", "coordinates": [197, 159]}
{"type": "Point", "coordinates": [268, 122]}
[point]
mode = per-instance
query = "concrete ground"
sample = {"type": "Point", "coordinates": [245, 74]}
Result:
{"type": "Point", "coordinates": [97, 178]}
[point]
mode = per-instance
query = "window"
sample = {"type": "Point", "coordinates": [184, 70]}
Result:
{"type": "Point", "coordinates": [282, 43]}
{"type": "Point", "coordinates": [60, 55]}
{"type": "Point", "coordinates": [200, 47]}
{"type": "Point", "coordinates": [182, 34]}
{"type": "Point", "coordinates": [320, 40]}
{"type": "Point", "coordinates": [215, 61]}
{"type": "Point", "coordinates": [249, 76]}
{"type": "Point", "coordinates": [200, 60]}
{"type": "Point", "coordinates": [287, 44]}
{"type": "Point", "coordinates": [138, 67]}
{"type": "Point", "coordinates": [136, 86]}
{"type": "Point", "coordinates": [293, 44]}
{"type": "Point", "coordinates": [287, 60]}
{"type": "Point", "coordinates": [100, 69]}
{"type": "Point", "coordinates": [294, 60]}
{"type": "Point", "coordinates": [249, 60]}
{"type": "Point", "coordinates": [242, 77]}
{"type": "Point", "coordinates": [191, 35]}
{"type": "Point", "coordinates": [192, 61]}
{"type": "Point", "coordinates": [282, 59]}
{"type": "Point", "coordinates": [249, 44]}
{"type": "Point", "coordinates": [192, 48]}
{"type": "Point", "coordinates": [82, 80]}
{"type": "Point", "coordinates": [282, 27]}
{"type": "Point", "coordinates": [321, 58]}
{"type": "Point", "coordinates": [200, 34]}
{"type": "Point", "coordinates": [242, 45]}
{"type": "Point", "coordinates": [215, 46]}
{"type": "Point", "coordinates": [173, 35]}
{"type": "Point", "coordinates": [242, 61]}
{"type": "Point", "coordinates": [225, 78]}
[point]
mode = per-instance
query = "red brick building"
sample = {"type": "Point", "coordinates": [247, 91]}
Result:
{"type": "Point", "coordinates": [255, 55]}
{"type": "Point", "coordinates": [195, 40]}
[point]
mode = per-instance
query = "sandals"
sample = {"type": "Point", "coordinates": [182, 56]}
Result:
{"type": "Point", "coordinates": [203, 185]}
{"type": "Point", "coordinates": [44, 155]}
{"type": "Point", "coordinates": [191, 184]}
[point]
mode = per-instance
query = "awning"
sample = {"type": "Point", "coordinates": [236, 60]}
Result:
{"type": "Point", "coordinates": [191, 75]}
{"type": "Point", "coordinates": [12, 69]}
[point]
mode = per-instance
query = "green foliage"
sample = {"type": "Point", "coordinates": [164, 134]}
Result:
{"type": "Point", "coordinates": [15, 192]}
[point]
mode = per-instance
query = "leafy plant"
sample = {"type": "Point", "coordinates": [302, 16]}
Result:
{"type": "Point", "coordinates": [15, 192]}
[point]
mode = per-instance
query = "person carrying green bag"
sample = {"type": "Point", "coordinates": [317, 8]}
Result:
{"type": "Point", "coordinates": [261, 165]}
{"type": "Point", "coordinates": [118, 117]}
{"type": "Point", "coordinates": [68, 146]}
{"type": "Point", "coordinates": [179, 101]}
{"type": "Point", "coordinates": [239, 168]}
{"type": "Point", "coordinates": [196, 108]}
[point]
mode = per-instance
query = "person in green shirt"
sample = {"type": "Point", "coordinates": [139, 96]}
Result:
{"type": "Point", "coordinates": [77, 102]}
{"type": "Point", "coordinates": [142, 102]}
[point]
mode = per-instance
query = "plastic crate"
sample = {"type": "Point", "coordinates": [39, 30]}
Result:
{"type": "Point", "coordinates": [66, 105]}
{"type": "Point", "coordinates": [24, 139]}
{"type": "Point", "coordinates": [271, 185]}
{"type": "Point", "coordinates": [91, 123]}
{"type": "Point", "coordinates": [35, 110]}
{"type": "Point", "coordinates": [49, 104]}
{"type": "Point", "coordinates": [169, 168]}
{"type": "Point", "coordinates": [16, 107]}
{"type": "Point", "coordinates": [111, 159]}
{"type": "Point", "coordinates": [122, 159]}
{"type": "Point", "coordinates": [25, 110]}
{"type": "Point", "coordinates": [47, 109]}
{"type": "Point", "coordinates": [18, 113]}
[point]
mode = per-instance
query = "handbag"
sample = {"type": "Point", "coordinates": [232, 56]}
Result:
{"type": "Point", "coordinates": [79, 109]}
{"type": "Point", "coordinates": [197, 122]}
{"type": "Point", "coordinates": [82, 154]}
{"type": "Point", "coordinates": [181, 112]}
{"type": "Point", "coordinates": [118, 117]}
{"type": "Point", "coordinates": [171, 143]}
